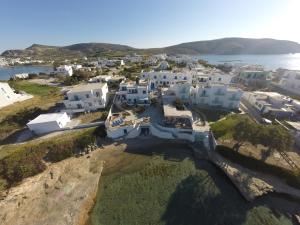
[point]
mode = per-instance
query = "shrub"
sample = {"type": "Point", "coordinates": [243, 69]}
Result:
{"type": "Point", "coordinates": [60, 151]}
{"type": "Point", "coordinates": [104, 116]}
{"type": "Point", "coordinates": [24, 162]}
{"type": "Point", "coordinates": [100, 131]}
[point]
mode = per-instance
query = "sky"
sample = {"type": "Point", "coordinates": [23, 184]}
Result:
{"type": "Point", "coordinates": [144, 23]}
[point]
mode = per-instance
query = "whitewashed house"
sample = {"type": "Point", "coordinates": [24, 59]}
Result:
{"type": "Point", "coordinates": [133, 93]}
{"type": "Point", "coordinates": [291, 81]}
{"type": "Point", "coordinates": [100, 79]}
{"type": "Point", "coordinates": [271, 103]}
{"type": "Point", "coordinates": [47, 123]}
{"type": "Point", "coordinates": [65, 69]}
{"type": "Point", "coordinates": [20, 76]}
{"type": "Point", "coordinates": [86, 97]}
{"type": "Point", "coordinates": [216, 95]}
{"type": "Point", "coordinates": [164, 65]}
{"type": "Point", "coordinates": [201, 78]}
{"type": "Point", "coordinates": [8, 96]}
{"type": "Point", "coordinates": [76, 66]}
{"type": "Point", "coordinates": [164, 78]}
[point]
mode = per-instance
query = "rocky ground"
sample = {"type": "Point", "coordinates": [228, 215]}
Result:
{"type": "Point", "coordinates": [252, 184]}
{"type": "Point", "coordinates": [61, 195]}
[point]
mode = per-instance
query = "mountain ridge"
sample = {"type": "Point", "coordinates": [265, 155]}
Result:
{"type": "Point", "coordinates": [223, 46]}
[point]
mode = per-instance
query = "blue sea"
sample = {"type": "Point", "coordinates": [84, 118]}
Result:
{"type": "Point", "coordinates": [6, 72]}
{"type": "Point", "coordinates": [271, 62]}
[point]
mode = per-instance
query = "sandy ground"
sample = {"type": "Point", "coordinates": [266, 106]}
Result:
{"type": "Point", "coordinates": [63, 194]}
{"type": "Point", "coordinates": [50, 81]}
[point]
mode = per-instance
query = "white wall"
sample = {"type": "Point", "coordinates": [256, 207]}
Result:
{"type": "Point", "coordinates": [43, 128]}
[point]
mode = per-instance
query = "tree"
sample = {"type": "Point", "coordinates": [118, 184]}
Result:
{"type": "Point", "coordinates": [82, 75]}
{"type": "Point", "coordinates": [244, 131]}
{"type": "Point", "coordinates": [276, 138]}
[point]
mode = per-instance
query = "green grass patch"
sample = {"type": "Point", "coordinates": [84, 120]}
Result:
{"type": "Point", "coordinates": [33, 88]}
{"type": "Point", "coordinates": [224, 128]}
{"type": "Point", "coordinates": [168, 192]}
{"type": "Point", "coordinates": [290, 177]}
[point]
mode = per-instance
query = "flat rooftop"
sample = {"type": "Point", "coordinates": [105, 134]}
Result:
{"type": "Point", "coordinates": [86, 87]}
{"type": "Point", "coordinates": [44, 118]}
{"type": "Point", "coordinates": [171, 111]}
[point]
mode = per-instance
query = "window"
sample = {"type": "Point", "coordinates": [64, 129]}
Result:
{"type": "Point", "coordinates": [3, 90]}
{"type": "Point", "coordinates": [168, 82]}
{"type": "Point", "coordinates": [185, 78]}
{"type": "Point", "coordinates": [209, 78]}
{"type": "Point", "coordinates": [87, 96]}
{"type": "Point", "coordinates": [165, 77]}
{"type": "Point", "coordinates": [90, 104]}
{"type": "Point", "coordinates": [155, 77]}
{"type": "Point", "coordinates": [144, 92]}
{"type": "Point", "coordinates": [219, 79]}
{"type": "Point", "coordinates": [175, 77]}
{"type": "Point", "coordinates": [97, 94]}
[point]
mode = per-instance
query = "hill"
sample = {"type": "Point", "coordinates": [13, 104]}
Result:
{"type": "Point", "coordinates": [218, 46]}
{"type": "Point", "coordinates": [234, 46]}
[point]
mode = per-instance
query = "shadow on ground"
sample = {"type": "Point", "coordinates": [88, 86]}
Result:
{"type": "Point", "coordinates": [172, 150]}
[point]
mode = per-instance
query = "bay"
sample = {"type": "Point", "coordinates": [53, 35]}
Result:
{"type": "Point", "coordinates": [7, 72]}
{"type": "Point", "coordinates": [270, 62]}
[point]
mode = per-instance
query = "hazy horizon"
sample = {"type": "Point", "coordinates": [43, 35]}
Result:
{"type": "Point", "coordinates": [147, 24]}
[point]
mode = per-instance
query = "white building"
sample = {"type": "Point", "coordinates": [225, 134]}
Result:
{"type": "Point", "coordinates": [86, 97]}
{"type": "Point", "coordinates": [291, 81]}
{"type": "Point", "coordinates": [216, 95]}
{"type": "Point", "coordinates": [65, 69]}
{"type": "Point", "coordinates": [20, 76]}
{"type": "Point", "coordinates": [164, 65]}
{"type": "Point", "coordinates": [164, 78]}
{"type": "Point", "coordinates": [100, 79]}
{"type": "Point", "coordinates": [133, 93]}
{"type": "Point", "coordinates": [46, 123]}
{"type": "Point", "coordinates": [271, 103]}
{"type": "Point", "coordinates": [8, 96]}
{"type": "Point", "coordinates": [211, 77]}
{"type": "Point", "coordinates": [77, 67]}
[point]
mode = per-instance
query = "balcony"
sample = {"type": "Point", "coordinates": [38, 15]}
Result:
{"type": "Point", "coordinates": [219, 93]}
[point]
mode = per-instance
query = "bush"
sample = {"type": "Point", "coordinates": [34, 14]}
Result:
{"type": "Point", "coordinates": [60, 151]}
{"type": "Point", "coordinates": [291, 178]}
{"type": "Point", "coordinates": [100, 131]}
{"type": "Point", "coordinates": [24, 162]}
{"type": "Point", "coordinates": [104, 116]}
